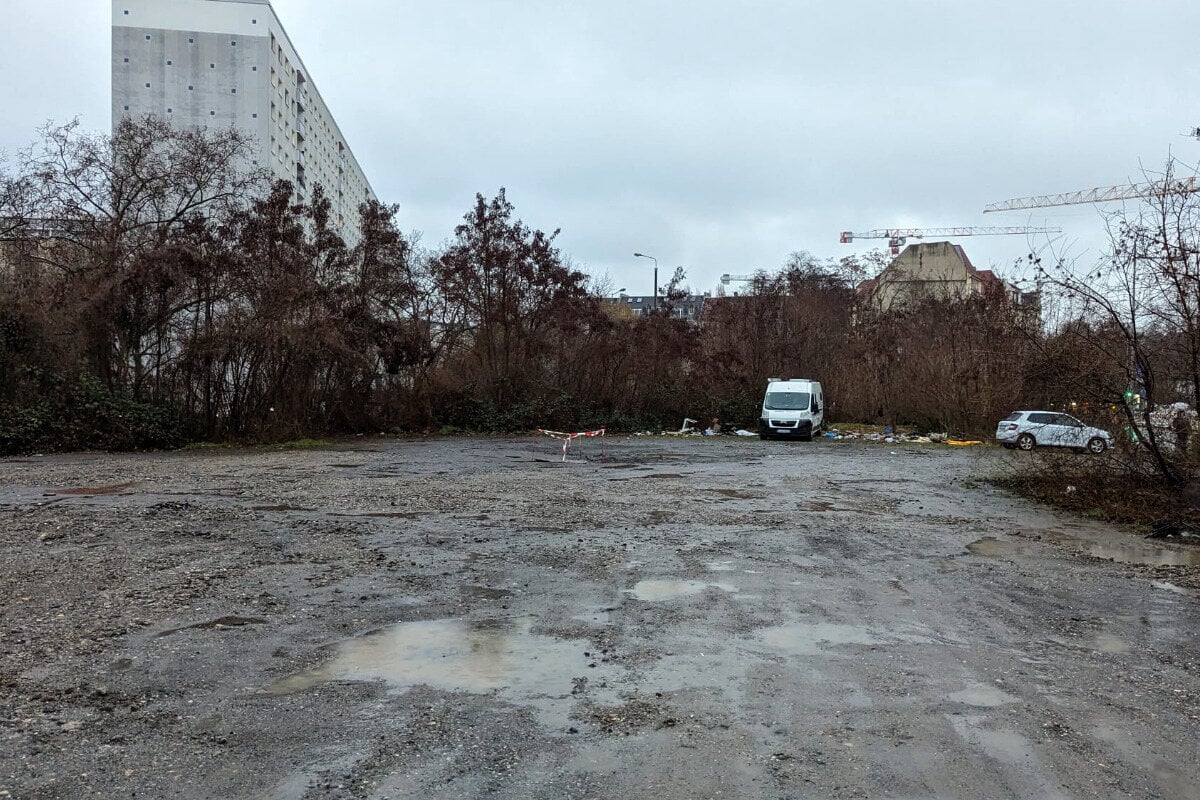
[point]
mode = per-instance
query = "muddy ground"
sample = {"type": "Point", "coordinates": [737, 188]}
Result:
{"type": "Point", "coordinates": [669, 619]}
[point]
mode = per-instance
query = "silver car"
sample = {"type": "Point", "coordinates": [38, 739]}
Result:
{"type": "Point", "coordinates": [1026, 430]}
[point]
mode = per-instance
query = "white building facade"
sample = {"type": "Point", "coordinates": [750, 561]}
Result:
{"type": "Point", "coordinates": [229, 63]}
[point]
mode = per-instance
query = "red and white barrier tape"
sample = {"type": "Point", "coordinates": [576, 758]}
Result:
{"type": "Point", "coordinates": [567, 438]}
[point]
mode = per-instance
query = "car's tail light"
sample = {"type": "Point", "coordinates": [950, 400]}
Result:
{"type": "Point", "coordinates": [1012, 427]}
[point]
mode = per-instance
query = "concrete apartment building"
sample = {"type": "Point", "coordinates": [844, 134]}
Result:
{"type": "Point", "coordinates": [223, 63]}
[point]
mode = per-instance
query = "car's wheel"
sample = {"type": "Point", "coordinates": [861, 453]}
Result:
{"type": "Point", "coordinates": [766, 437]}
{"type": "Point", "coordinates": [1026, 442]}
{"type": "Point", "coordinates": [1097, 446]}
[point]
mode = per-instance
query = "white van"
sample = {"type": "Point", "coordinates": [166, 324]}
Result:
{"type": "Point", "coordinates": [793, 408]}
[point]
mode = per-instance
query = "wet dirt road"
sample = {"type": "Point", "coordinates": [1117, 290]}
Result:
{"type": "Point", "coordinates": [672, 619]}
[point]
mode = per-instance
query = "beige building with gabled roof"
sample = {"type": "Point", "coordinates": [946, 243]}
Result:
{"type": "Point", "coordinates": [929, 271]}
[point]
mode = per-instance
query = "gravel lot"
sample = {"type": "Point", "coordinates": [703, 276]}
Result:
{"type": "Point", "coordinates": [461, 618]}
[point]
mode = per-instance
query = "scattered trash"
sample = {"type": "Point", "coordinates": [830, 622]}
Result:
{"type": "Point", "coordinates": [888, 436]}
{"type": "Point", "coordinates": [1169, 530]}
{"type": "Point", "coordinates": [686, 429]}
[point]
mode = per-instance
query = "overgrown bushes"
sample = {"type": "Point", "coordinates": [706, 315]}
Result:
{"type": "Point", "coordinates": [152, 292]}
{"type": "Point", "coordinates": [86, 415]}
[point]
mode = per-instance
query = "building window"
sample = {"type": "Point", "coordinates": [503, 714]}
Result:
{"type": "Point", "coordinates": [212, 66]}
{"type": "Point", "coordinates": [147, 37]}
{"type": "Point", "coordinates": [191, 88]}
{"type": "Point", "coordinates": [191, 41]}
{"type": "Point", "coordinates": [169, 111]}
{"type": "Point", "coordinates": [233, 44]}
{"type": "Point", "coordinates": [254, 69]}
{"type": "Point", "coordinates": [169, 62]}
{"type": "Point", "coordinates": [255, 116]}
{"type": "Point", "coordinates": [126, 108]}
{"type": "Point", "coordinates": [252, 22]}
{"type": "Point", "coordinates": [127, 61]}
{"type": "Point", "coordinates": [212, 113]}
{"type": "Point", "coordinates": [233, 91]}
{"type": "Point", "coordinates": [127, 12]}
{"type": "Point", "coordinates": [147, 86]}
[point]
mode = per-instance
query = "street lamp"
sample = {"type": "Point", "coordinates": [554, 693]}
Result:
{"type": "Point", "coordinates": [655, 260]}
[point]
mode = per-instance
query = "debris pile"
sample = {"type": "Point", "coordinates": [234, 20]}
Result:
{"type": "Point", "coordinates": [884, 436]}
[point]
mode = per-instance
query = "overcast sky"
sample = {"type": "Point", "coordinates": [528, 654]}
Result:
{"type": "Point", "coordinates": [715, 135]}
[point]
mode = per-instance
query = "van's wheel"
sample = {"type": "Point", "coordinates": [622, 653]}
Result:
{"type": "Point", "coordinates": [1097, 446]}
{"type": "Point", "coordinates": [766, 437]}
{"type": "Point", "coordinates": [1026, 442]}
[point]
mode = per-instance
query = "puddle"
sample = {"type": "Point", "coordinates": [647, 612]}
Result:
{"type": "Point", "coordinates": [655, 591]}
{"type": "Point", "coordinates": [983, 696]}
{"type": "Point", "coordinates": [1170, 587]}
{"type": "Point", "coordinates": [1147, 555]}
{"type": "Point", "coordinates": [1110, 549]}
{"type": "Point", "coordinates": [1108, 643]}
{"type": "Point", "coordinates": [818, 637]}
{"type": "Point", "coordinates": [84, 491]}
{"type": "Point", "coordinates": [719, 566]}
{"type": "Point", "coordinates": [452, 655]}
{"type": "Point", "coordinates": [389, 514]}
{"type": "Point", "coordinates": [734, 494]}
{"type": "Point", "coordinates": [992, 547]}
{"type": "Point", "coordinates": [485, 592]}
{"type": "Point", "coordinates": [598, 616]}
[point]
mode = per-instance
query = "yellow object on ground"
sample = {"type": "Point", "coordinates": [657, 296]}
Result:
{"type": "Point", "coordinates": [954, 443]}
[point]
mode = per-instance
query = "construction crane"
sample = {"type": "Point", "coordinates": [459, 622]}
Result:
{"type": "Point", "coordinates": [1104, 194]}
{"type": "Point", "coordinates": [897, 237]}
{"type": "Point", "coordinates": [728, 279]}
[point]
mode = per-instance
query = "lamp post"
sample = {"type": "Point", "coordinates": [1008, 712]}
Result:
{"type": "Point", "coordinates": [655, 260]}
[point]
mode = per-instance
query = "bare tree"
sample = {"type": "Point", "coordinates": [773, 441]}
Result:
{"type": "Point", "coordinates": [514, 291]}
{"type": "Point", "coordinates": [114, 202]}
{"type": "Point", "coordinates": [1135, 315]}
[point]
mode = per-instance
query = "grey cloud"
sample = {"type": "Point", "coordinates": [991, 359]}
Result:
{"type": "Point", "coordinates": [720, 136]}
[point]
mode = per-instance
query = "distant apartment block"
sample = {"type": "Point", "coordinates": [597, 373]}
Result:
{"type": "Point", "coordinates": [626, 306]}
{"type": "Point", "coordinates": [223, 63]}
